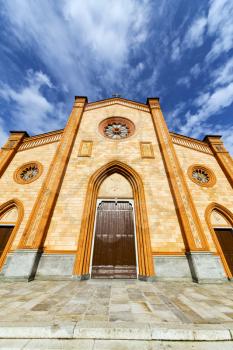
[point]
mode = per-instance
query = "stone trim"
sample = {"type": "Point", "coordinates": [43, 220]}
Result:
{"type": "Point", "coordinates": [13, 203]}
{"type": "Point", "coordinates": [145, 264]}
{"type": "Point", "coordinates": [38, 223]}
{"type": "Point", "coordinates": [9, 150]}
{"type": "Point", "coordinates": [222, 156]}
{"type": "Point", "coordinates": [229, 216]}
{"type": "Point", "coordinates": [16, 175]}
{"type": "Point", "coordinates": [112, 101]}
{"type": "Point", "coordinates": [212, 177]}
{"type": "Point", "coordinates": [37, 141]}
{"type": "Point", "coordinates": [193, 235]}
{"type": "Point", "coordinates": [190, 143]}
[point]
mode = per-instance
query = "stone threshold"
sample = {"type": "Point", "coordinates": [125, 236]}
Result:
{"type": "Point", "coordinates": [116, 331]}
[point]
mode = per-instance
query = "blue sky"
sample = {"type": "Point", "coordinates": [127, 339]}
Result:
{"type": "Point", "coordinates": [178, 50]}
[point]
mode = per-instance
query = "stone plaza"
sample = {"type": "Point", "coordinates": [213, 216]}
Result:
{"type": "Point", "coordinates": [116, 314]}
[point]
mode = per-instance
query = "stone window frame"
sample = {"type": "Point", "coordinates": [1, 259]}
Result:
{"type": "Point", "coordinates": [130, 125]}
{"type": "Point", "coordinates": [18, 171]}
{"type": "Point", "coordinates": [207, 170]}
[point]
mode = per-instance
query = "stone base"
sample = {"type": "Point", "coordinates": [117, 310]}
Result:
{"type": "Point", "coordinates": [146, 278]}
{"type": "Point", "coordinates": [206, 267]}
{"type": "Point", "coordinates": [172, 267]}
{"type": "Point", "coordinates": [22, 264]}
{"type": "Point", "coordinates": [55, 266]}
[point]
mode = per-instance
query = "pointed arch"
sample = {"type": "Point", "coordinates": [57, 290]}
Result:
{"type": "Point", "coordinates": [228, 215]}
{"type": "Point", "coordinates": [145, 262]}
{"type": "Point", "coordinates": [4, 208]}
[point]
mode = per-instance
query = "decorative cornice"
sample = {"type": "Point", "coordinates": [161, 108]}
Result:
{"type": "Point", "coordinates": [191, 143]}
{"type": "Point", "coordinates": [112, 101]}
{"type": "Point", "coordinates": [40, 140]}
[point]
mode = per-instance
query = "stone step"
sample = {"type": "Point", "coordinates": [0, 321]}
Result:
{"type": "Point", "coordinates": [116, 330]}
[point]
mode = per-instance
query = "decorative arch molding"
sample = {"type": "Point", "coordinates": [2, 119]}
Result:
{"type": "Point", "coordinates": [5, 207]}
{"type": "Point", "coordinates": [229, 217]}
{"type": "Point", "coordinates": [145, 262]}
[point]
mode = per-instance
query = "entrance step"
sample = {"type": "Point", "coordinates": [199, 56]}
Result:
{"type": "Point", "coordinates": [117, 330]}
{"type": "Point", "coordinates": [90, 344]}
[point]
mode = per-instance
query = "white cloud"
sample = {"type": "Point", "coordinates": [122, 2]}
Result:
{"type": "Point", "coordinates": [30, 110]}
{"type": "Point", "coordinates": [184, 81]}
{"type": "Point", "coordinates": [195, 70]}
{"type": "Point", "coordinates": [81, 41]}
{"type": "Point", "coordinates": [176, 50]}
{"type": "Point", "coordinates": [195, 34]}
{"type": "Point", "coordinates": [224, 74]}
{"type": "Point", "coordinates": [209, 105]}
{"type": "Point", "coordinates": [220, 27]}
{"type": "Point", "coordinates": [3, 133]}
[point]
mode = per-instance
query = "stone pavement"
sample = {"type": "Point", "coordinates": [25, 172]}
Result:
{"type": "Point", "coordinates": [98, 314]}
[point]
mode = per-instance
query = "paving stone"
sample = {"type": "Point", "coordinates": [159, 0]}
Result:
{"type": "Point", "coordinates": [43, 304]}
{"type": "Point", "coordinates": [13, 344]}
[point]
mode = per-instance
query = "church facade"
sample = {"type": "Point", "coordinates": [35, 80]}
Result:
{"type": "Point", "coordinates": [115, 194]}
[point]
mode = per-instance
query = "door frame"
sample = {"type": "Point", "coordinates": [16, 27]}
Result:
{"type": "Point", "coordinates": [99, 200]}
{"type": "Point", "coordinates": [227, 214]}
{"type": "Point", "coordinates": [4, 208]}
{"type": "Point", "coordinates": [145, 259]}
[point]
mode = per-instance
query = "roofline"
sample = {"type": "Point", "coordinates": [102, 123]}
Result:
{"type": "Point", "coordinates": [19, 132]}
{"type": "Point", "coordinates": [206, 136]}
{"type": "Point", "coordinates": [192, 138]}
{"type": "Point", "coordinates": [118, 98]}
{"type": "Point", "coordinates": [45, 133]}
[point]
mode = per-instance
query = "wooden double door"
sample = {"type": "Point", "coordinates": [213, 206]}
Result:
{"type": "Point", "coordinates": [225, 238]}
{"type": "Point", "coordinates": [114, 253]}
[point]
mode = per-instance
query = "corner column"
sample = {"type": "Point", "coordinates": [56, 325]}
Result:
{"type": "Point", "coordinates": [201, 261]}
{"type": "Point", "coordinates": [25, 260]}
{"type": "Point", "coordinates": [222, 155]}
{"type": "Point", "coordinates": [9, 150]}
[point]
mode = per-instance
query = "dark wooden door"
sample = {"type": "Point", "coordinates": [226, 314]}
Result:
{"type": "Point", "coordinates": [225, 238]}
{"type": "Point", "coordinates": [5, 232]}
{"type": "Point", "coordinates": [114, 246]}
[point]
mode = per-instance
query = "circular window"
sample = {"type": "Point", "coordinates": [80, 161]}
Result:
{"type": "Point", "coordinates": [28, 172]}
{"type": "Point", "coordinates": [116, 128]}
{"type": "Point", "coordinates": [201, 175]}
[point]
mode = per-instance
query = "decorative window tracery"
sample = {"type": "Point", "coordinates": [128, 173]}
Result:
{"type": "Point", "coordinates": [28, 172]}
{"type": "Point", "coordinates": [117, 128]}
{"type": "Point", "coordinates": [201, 175]}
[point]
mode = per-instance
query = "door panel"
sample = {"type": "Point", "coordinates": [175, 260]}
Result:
{"type": "Point", "coordinates": [5, 232]}
{"type": "Point", "coordinates": [225, 238]}
{"type": "Point", "coordinates": [114, 247]}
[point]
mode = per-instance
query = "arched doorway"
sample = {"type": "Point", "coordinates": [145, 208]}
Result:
{"type": "Point", "coordinates": [11, 214]}
{"type": "Point", "coordinates": [114, 244]}
{"type": "Point", "coordinates": [82, 266]}
{"type": "Point", "coordinates": [220, 222]}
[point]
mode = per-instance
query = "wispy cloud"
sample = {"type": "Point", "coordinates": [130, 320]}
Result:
{"type": "Point", "coordinates": [78, 41]}
{"type": "Point", "coordinates": [30, 110]}
{"type": "Point", "coordinates": [195, 35]}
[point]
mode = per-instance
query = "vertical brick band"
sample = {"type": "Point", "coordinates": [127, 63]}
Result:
{"type": "Point", "coordinates": [37, 226]}
{"type": "Point", "coordinates": [193, 235]}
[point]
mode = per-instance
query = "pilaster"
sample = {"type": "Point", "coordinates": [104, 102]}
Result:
{"type": "Point", "coordinates": [193, 234]}
{"type": "Point", "coordinates": [9, 150]}
{"type": "Point", "coordinates": [222, 155]}
{"type": "Point", "coordinates": [35, 231]}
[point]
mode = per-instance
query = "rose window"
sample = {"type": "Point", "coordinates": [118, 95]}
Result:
{"type": "Point", "coordinates": [116, 131]}
{"type": "Point", "coordinates": [117, 128]}
{"type": "Point", "coordinates": [201, 175]}
{"type": "Point", "coordinates": [28, 172]}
